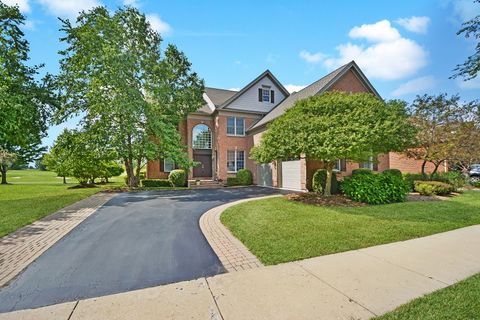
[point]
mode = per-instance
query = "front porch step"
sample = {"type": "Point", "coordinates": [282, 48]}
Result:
{"type": "Point", "coordinates": [205, 184]}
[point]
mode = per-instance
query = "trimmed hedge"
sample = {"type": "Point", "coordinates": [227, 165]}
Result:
{"type": "Point", "coordinates": [178, 178]}
{"type": "Point", "coordinates": [429, 188]}
{"type": "Point", "coordinates": [455, 179]}
{"type": "Point", "coordinates": [233, 181]}
{"type": "Point", "coordinates": [155, 183]}
{"type": "Point", "coordinates": [395, 172]}
{"type": "Point", "coordinates": [245, 177]}
{"type": "Point", "coordinates": [319, 180]}
{"type": "Point", "coordinates": [375, 188]}
{"type": "Point", "coordinates": [360, 171]}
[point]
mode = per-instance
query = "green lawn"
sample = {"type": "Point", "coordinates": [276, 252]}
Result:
{"type": "Point", "coordinates": [33, 194]}
{"type": "Point", "coordinates": [277, 230]}
{"type": "Point", "coordinates": [460, 301]}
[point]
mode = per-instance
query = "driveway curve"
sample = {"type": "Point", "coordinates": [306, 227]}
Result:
{"type": "Point", "coordinates": [136, 240]}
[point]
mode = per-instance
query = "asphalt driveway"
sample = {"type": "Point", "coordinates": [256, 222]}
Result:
{"type": "Point", "coordinates": [136, 240]}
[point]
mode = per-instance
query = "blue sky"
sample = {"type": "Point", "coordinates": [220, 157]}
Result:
{"type": "Point", "coordinates": [404, 47]}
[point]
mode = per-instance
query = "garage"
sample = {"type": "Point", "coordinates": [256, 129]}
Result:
{"type": "Point", "coordinates": [264, 175]}
{"type": "Point", "coordinates": [291, 175]}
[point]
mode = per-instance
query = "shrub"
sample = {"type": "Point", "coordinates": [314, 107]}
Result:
{"type": "Point", "coordinates": [244, 177]}
{"type": "Point", "coordinates": [156, 183]}
{"type": "Point", "coordinates": [410, 178]}
{"type": "Point", "coordinates": [140, 177]}
{"type": "Point", "coordinates": [428, 188]}
{"type": "Point", "coordinates": [476, 183]}
{"type": "Point", "coordinates": [455, 179]}
{"type": "Point", "coordinates": [360, 171]}
{"type": "Point", "coordinates": [233, 181]}
{"type": "Point", "coordinates": [395, 172]}
{"type": "Point", "coordinates": [177, 178]}
{"type": "Point", "coordinates": [319, 181]}
{"type": "Point", "coordinates": [376, 188]}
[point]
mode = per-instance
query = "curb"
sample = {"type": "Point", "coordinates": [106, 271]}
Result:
{"type": "Point", "coordinates": [230, 251]}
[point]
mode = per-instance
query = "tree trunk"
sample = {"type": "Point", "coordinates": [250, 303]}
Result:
{"type": "Point", "coordinates": [64, 180]}
{"type": "Point", "coordinates": [436, 164]}
{"type": "Point", "coordinates": [4, 174]}
{"type": "Point", "coordinates": [328, 183]}
{"type": "Point", "coordinates": [137, 172]}
{"type": "Point", "coordinates": [423, 168]}
{"type": "Point", "coordinates": [129, 170]}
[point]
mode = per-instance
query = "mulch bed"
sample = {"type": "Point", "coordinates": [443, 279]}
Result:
{"type": "Point", "coordinates": [324, 201]}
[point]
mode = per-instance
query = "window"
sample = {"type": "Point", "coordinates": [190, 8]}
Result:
{"type": "Point", "coordinates": [168, 165]}
{"type": "Point", "coordinates": [235, 126]}
{"type": "Point", "coordinates": [235, 160]}
{"type": "Point", "coordinates": [368, 164]}
{"type": "Point", "coordinates": [202, 137]}
{"type": "Point", "coordinates": [265, 95]}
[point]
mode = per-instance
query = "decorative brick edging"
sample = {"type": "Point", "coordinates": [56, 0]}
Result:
{"type": "Point", "coordinates": [231, 252]}
{"type": "Point", "coordinates": [22, 247]}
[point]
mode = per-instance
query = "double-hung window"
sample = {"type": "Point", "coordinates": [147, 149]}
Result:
{"type": "Point", "coordinates": [368, 165]}
{"type": "Point", "coordinates": [266, 95]}
{"type": "Point", "coordinates": [235, 160]}
{"type": "Point", "coordinates": [235, 126]}
{"type": "Point", "coordinates": [168, 165]}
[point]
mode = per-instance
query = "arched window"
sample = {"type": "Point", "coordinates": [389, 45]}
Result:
{"type": "Point", "coordinates": [201, 137]}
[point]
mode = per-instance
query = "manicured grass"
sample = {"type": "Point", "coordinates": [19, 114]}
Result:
{"type": "Point", "coordinates": [460, 301]}
{"type": "Point", "coordinates": [277, 230]}
{"type": "Point", "coordinates": [33, 194]}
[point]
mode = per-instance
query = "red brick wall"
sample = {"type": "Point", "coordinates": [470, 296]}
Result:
{"type": "Point", "coordinates": [409, 165]}
{"type": "Point", "coordinates": [349, 82]}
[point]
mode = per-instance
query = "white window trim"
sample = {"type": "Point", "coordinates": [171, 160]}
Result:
{"type": "Point", "coordinates": [234, 134]}
{"type": "Point", "coordinates": [369, 162]}
{"type": "Point", "coordinates": [338, 166]}
{"type": "Point", "coordinates": [269, 95]}
{"type": "Point", "coordinates": [172, 163]}
{"type": "Point", "coordinates": [236, 154]}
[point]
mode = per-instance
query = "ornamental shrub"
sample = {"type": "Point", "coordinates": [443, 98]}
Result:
{"type": "Point", "coordinates": [376, 188]}
{"type": "Point", "coordinates": [410, 178]}
{"type": "Point", "coordinates": [428, 188]}
{"type": "Point", "coordinates": [156, 183]}
{"type": "Point", "coordinates": [244, 177]}
{"type": "Point", "coordinates": [361, 171]}
{"type": "Point", "coordinates": [453, 178]}
{"type": "Point", "coordinates": [232, 181]}
{"type": "Point", "coordinates": [319, 180]}
{"type": "Point", "coordinates": [395, 172]}
{"type": "Point", "coordinates": [178, 178]}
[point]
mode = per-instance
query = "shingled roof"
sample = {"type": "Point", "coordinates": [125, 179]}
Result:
{"type": "Point", "coordinates": [219, 96]}
{"type": "Point", "coordinates": [317, 87]}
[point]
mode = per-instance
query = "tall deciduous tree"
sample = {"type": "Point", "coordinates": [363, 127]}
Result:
{"type": "Point", "coordinates": [131, 95]}
{"type": "Point", "coordinates": [470, 68]}
{"type": "Point", "coordinates": [441, 121]}
{"type": "Point", "coordinates": [25, 104]}
{"type": "Point", "coordinates": [334, 126]}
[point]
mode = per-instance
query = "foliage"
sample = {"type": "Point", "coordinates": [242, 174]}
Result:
{"type": "Point", "coordinates": [376, 188]}
{"type": "Point", "coordinates": [156, 183]}
{"type": "Point", "coordinates": [131, 94]}
{"type": "Point", "coordinates": [410, 178]}
{"type": "Point", "coordinates": [178, 178]}
{"type": "Point", "coordinates": [141, 176]}
{"type": "Point", "coordinates": [233, 181]}
{"type": "Point", "coordinates": [25, 103]}
{"type": "Point", "coordinates": [319, 180]}
{"type": "Point", "coordinates": [428, 188]}
{"type": "Point", "coordinates": [445, 126]}
{"type": "Point", "coordinates": [361, 171]}
{"type": "Point", "coordinates": [455, 179]}
{"type": "Point", "coordinates": [337, 125]}
{"type": "Point", "coordinates": [470, 68]}
{"type": "Point", "coordinates": [395, 172]}
{"type": "Point", "coordinates": [244, 177]}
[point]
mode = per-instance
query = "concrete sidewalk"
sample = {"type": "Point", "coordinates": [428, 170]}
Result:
{"type": "Point", "coordinates": [351, 285]}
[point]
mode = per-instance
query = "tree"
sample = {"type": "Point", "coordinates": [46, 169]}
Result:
{"type": "Point", "coordinates": [6, 159]}
{"type": "Point", "coordinates": [112, 169]}
{"type": "Point", "coordinates": [25, 104]}
{"type": "Point", "coordinates": [470, 68]}
{"type": "Point", "coordinates": [441, 121]}
{"type": "Point", "coordinates": [336, 125]}
{"type": "Point", "coordinates": [132, 96]}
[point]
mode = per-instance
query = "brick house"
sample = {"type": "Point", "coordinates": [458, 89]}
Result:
{"type": "Point", "coordinates": [220, 134]}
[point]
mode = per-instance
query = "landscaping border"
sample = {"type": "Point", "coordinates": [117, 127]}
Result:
{"type": "Point", "coordinates": [232, 253]}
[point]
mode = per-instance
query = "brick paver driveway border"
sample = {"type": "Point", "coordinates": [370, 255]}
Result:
{"type": "Point", "coordinates": [231, 252]}
{"type": "Point", "coordinates": [22, 247]}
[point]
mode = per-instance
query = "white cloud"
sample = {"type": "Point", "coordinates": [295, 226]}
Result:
{"type": "Point", "coordinates": [417, 85]}
{"type": "Point", "coordinates": [30, 24]}
{"type": "Point", "coordinates": [389, 57]}
{"type": "Point", "coordinates": [312, 57]}
{"type": "Point", "coordinates": [415, 24]}
{"type": "Point", "coordinates": [470, 84]}
{"type": "Point", "coordinates": [68, 8]}
{"type": "Point", "coordinates": [465, 9]}
{"type": "Point", "coordinates": [293, 88]}
{"type": "Point", "coordinates": [381, 31]}
{"type": "Point", "coordinates": [23, 5]}
{"type": "Point", "coordinates": [158, 24]}
{"type": "Point", "coordinates": [133, 3]}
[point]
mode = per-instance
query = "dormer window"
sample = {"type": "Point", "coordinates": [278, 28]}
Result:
{"type": "Point", "coordinates": [266, 95]}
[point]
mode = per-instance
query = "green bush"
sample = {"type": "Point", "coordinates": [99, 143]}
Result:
{"type": "Point", "coordinates": [428, 188]}
{"type": "Point", "coordinates": [140, 177]}
{"type": "Point", "coordinates": [410, 178]}
{"type": "Point", "coordinates": [376, 188]}
{"type": "Point", "coordinates": [244, 177]}
{"type": "Point", "coordinates": [178, 178]}
{"type": "Point", "coordinates": [453, 178]}
{"type": "Point", "coordinates": [361, 171]}
{"type": "Point", "coordinates": [233, 181]}
{"type": "Point", "coordinates": [319, 181]}
{"type": "Point", "coordinates": [156, 183]}
{"type": "Point", "coordinates": [395, 172]}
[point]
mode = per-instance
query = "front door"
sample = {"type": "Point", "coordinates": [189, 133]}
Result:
{"type": "Point", "coordinates": [204, 168]}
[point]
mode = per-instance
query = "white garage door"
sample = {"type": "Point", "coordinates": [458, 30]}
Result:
{"type": "Point", "coordinates": [264, 175]}
{"type": "Point", "coordinates": [291, 175]}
